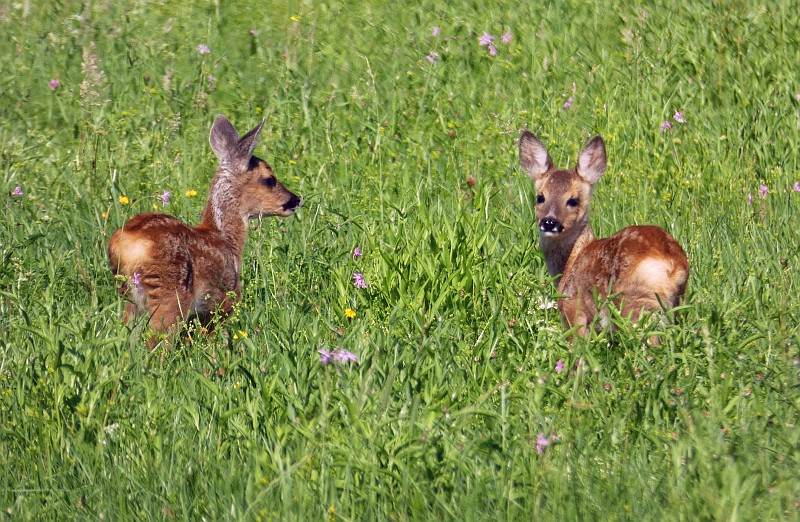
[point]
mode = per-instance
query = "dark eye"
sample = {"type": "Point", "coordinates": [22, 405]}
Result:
{"type": "Point", "coordinates": [572, 202]}
{"type": "Point", "coordinates": [269, 182]}
{"type": "Point", "coordinates": [539, 199]}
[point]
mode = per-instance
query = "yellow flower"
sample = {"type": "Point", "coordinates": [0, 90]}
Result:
{"type": "Point", "coordinates": [191, 193]}
{"type": "Point", "coordinates": [295, 19]}
{"type": "Point", "coordinates": [124, 200]}
{"type": "Point", "coordinates": [242, 333]}
{"type": "Point", "coordinates": [349, 313]}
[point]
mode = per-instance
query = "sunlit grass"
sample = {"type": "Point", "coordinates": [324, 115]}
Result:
{"type": "Point", "coordinates": [463, 366]}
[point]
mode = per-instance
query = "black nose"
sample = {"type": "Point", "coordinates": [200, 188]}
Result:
{"type": "Point", "coordinates": [293, 202]}
{"type": "Point", "coordinates": [550, 226]}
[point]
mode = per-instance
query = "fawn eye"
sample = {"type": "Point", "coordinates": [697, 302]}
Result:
{"type": "Point", "coordinates": [539, 199]}
{"type": "Point", "coordinates": [572, 202]}
{"type": "Point", "coordinates": [269, 182]}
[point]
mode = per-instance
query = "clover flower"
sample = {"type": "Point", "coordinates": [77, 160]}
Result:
{"type": "Point", "coordinates": [54, 84]}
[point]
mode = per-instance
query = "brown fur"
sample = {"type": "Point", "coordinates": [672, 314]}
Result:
{"type": "Point", "coordinates": [644, 265]}
{"type": "Point", "coordinates": [185, 272]}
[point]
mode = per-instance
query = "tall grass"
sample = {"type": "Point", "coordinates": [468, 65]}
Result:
{"type": "Point", "coordinates": [456, 391]}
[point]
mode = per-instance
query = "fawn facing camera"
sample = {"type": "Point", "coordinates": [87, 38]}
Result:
{"type": "Point", "coordinates": [175, 272]}
{"type": "Point", "coordinates": [642, 267]}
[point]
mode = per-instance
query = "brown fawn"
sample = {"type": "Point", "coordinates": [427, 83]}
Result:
{"type": "Point", "coordinates": [643, 268]}
{"type": "Point", "coordinates": [177, 272]}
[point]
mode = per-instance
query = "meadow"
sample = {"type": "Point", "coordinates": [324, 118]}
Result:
{"type": "Point", "coordinates": [399, 126]}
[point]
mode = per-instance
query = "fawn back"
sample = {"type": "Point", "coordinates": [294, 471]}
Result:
{"type": "Point", "coordinates": [176, 272]}
{"type": "Point", "coordinates": [642, 265]}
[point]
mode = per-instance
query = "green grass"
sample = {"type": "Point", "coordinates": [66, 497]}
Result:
{"type": "Point", "coordinates": [456, 376]}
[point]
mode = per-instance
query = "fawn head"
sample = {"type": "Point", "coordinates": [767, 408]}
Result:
{"type": "Point", "coordinates": [562, 196]}
{"type": "Point", "coordinates": [244, 182]}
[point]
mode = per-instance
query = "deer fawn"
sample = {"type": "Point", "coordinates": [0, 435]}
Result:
{"type": "Point", "coordinates": [643, 266]}
{"type": "Point", "coordinates": [177, 272]}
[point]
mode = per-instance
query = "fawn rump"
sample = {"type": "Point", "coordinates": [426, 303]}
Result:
{"type": "Point", "coordinates": [643, 267]}
{"type": "Point", "coordinates": [176, 272]}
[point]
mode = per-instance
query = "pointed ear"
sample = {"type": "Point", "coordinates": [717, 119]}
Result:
{"type": "Point", "coordinates": [592, 161]}
{"type": "Point", "coordinates": [223, 138]}
{"type": "Point", "coordinates": [533, 157]}
{"type": "Point", "coordinates": [248, 143]}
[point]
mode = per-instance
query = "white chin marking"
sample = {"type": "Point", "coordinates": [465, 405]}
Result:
{"type": "Point", "coordinates": [550, 234]}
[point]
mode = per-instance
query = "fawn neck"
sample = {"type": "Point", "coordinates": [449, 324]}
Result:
{"type": "Point", "coordinates": [222, 215]}
{"type": "Point", "coordinates": [561, 250]}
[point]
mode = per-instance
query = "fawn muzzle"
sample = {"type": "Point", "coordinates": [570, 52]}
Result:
{"type": "Point", "coordinates": [292, 203]}
{"type": "Point", "coordinates": [550, 226]}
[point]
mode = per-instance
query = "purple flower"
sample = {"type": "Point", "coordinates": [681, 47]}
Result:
{"type": "Point", "coordinates": [797, 96]}
{"type": "Point", "coordinates": [136, 280]}
{"type": "Point", "coordinates": [796, 186]}
{"type": "Point", "coordinates": [559, 366]}
{"type": "Point", "coordinates": [433, 57]}
{"type": "Point", "coordinates": [252, 32]}
{"type": "Point", "coordinates": [344, 357]}
{"type": "Point", "coordinates": [203, 49]}
{"type": "Point", "coordinates": [492, 50]}
{"type": "Point", "coordinates": [436, 30]}
{"type": "Point", "coordinates": [54, 84]}
{"type": "Point", "coordinates": [485, 39]}
{"type": "Point", "coordinates": [17, 191]}
{"type": "Point", "coordinates": [665, 126]}
{"type": "Point", "coordinates": [763, 190]}
{"type": "Point", "coordinates": [357, 253]}
{"type": "Point", "coordinates": [542, 442]}
{"type": "Point", "coordinates": [750, 199]}
{"type": "Point", "coordinates": [358, 280]}
{"type": "Point", "coordinates": [678, 116]}
{"type": "Point", "coordinates": [507, 37]}
{"type": "Point", "coordinates": [165, 198]}
{"type": "Point", "coordinates": [325, 357]}
{"type": "Point", "coordinates": [568, 104]}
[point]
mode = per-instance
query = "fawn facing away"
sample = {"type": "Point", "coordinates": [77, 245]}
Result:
{"type": "Point", "coordinates": [644, 266]}
{"type": "Point", "coordinates": [177, 272]}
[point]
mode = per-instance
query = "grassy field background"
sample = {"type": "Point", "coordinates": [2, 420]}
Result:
{"type": "Point", "coordinates": [402, 139]}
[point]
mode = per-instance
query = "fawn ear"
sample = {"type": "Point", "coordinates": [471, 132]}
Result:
{"type": "Point", "coordinates": [533, 157]}
{"type": "Point", "coordinates": [223, 138]}
{"type": "Point", "coordinates": [592, 161]}
{"type": "Point", "coordinates": [248, 143]}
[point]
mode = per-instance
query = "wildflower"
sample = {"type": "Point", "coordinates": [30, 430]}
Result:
{"type": "Point", "coordinates": [136, 280]}
{"type": "Point", "coordinates": [568, 104]}
{"type": "Point", "coordinates": [191, 193]}
{"type": "Point", "coordinates": [492, 50]}
{"type": "Point", "coordinates": [665, 126]}
{"type": "Point", "coordinates": [349, 313]}
{"type": "Point", "coordinates": [240, 333]}
{"type": "Point", "coordinates": [325, 357]}
{"type": "Point", "coordinates": [17, 191]}
{"type": "Point", "coordinates": [542, 442]}
{"type": "Point", "coordinates": [294, 19]}
{"type": "Point", "coordinates": [678, 116]}
{"type": "Point", "coordinates": [203, 49]}
{"type": "Point", "coordinates": [436, 30]}
{"type": "Point", "coordinates": [750, 199]}
{"type": "Point", "coordinates": [433, 57]}
{"type": "Point", "coordinates": [54, 84]}
{"type": "Point", "coordinates": [797, 97]}
{"type": "Point", "coordinates": [485, 39]}
{"type": "Point", "coordinates": [358, 280]}
{"type": "Point", "coordinates": [796, 186]}
{"type": "Point", "coordinates": [559, 366]}
{"type": "Point", "coordinates": [344, 357]}
{"type": "Point", "coordinates": [357, 253]}
{"type": "Point", "coordinates": [507, 37]}
{"type": "Point", "coordinates": [165, 198]}
{"type": "Point", "coordinates": [763, 190]}
{"type": "Point", "coordinates": [124, 200]}
{"type": "Point", "coordinates": [252, 32]}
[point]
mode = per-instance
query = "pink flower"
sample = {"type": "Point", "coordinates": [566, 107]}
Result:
{"type": "Point", "coordinates": [507, 37]}
{"type": "Point", "coordinates": [344, 357]}
{"type": "Point", "coordinates": [492, 50]}
{"type": "Point", "coordinates": [678, 116]}
{"type": "Point", "coordinates": [749, 199]}
{"type": "Point", "coordinates": [433, 57]}
{"type": "Point", "coordinates": [325, 357]}
{"type": "Point", "coordinates": [568, 104]}
{"type": "Point", "coordinates": [358, 280]}
{"type": "Point", "coordinates": [763, 190]}
{"type": "Point", "coordinates": [665, 126]}
{"type": "Point", "coordinates": [136, 280]}
{"type": "Point", "coordinates": [796, 186]}
{"type": "Point", "coordinates": [252, 32]}
{"type": "Point", "coordinates": [17, 191]}
{"type": "Point", "coordinates": [165, 198]}
{"type": "Point", "coordinates": [54, 84]}
{"type": "Point", "coordinates": [436, 30]}
{"type": "Point", "coordinates": [797, 96]}
{"type": "Point", "coordinates": [542, 442]}
{"type": "Point", "coordinates": [559, 366]}
{"type": "Point", "coordinates": [485, 39]}
{"type": "Point", "coordinates": [357, 253]}
{"type": "Point", "coordinates": [203, 49]}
